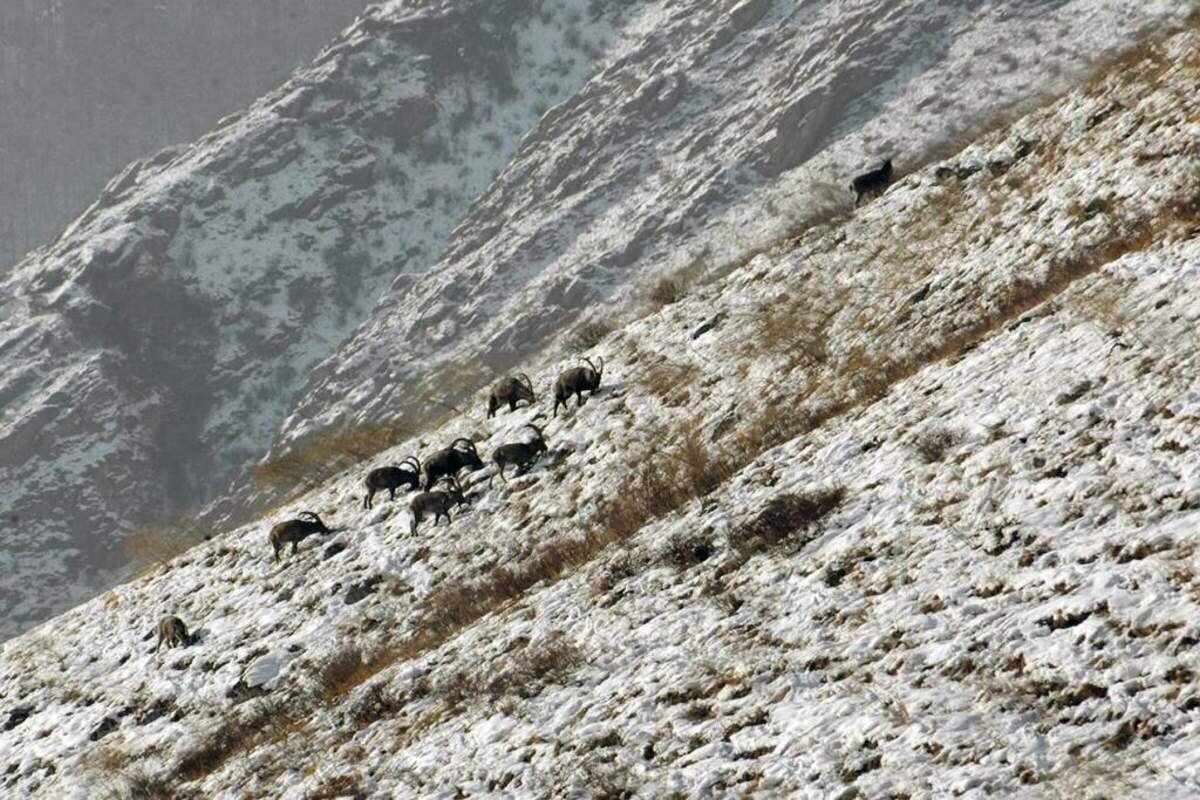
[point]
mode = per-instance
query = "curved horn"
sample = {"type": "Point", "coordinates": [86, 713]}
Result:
{"type": "Point", "coordinates": [593, 366]}
{"type": "Point", "coordinates": [536, 430]}
{"type": "Point", "coordinates": [416, 462]}
{"type": "Point", "coordinates": [465, 441]}
{"type": "Point", "coordinates": [308, 515]}
{"type": "Point", "coordinates": [601, 370]}
{"type": "Point", "coordinates": [521, 376]}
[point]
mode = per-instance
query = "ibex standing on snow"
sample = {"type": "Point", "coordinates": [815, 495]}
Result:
{"type": "Point", "coordinates": [523, 454]}
{"type": "Point", "coordinates": [172, 631]}
{"type": "Point", "coordinates": [447, 463]}
{"type": "Point", "coordinates": [510, 390]}
{"type": "Point", "coordinates": [408, 473]}
{"type": "Point", "coordinates": [296, 530]}
{"type": "Point", "coordinates": [437, 503]}
{"type": "Point", "coordinates": [576, 381]}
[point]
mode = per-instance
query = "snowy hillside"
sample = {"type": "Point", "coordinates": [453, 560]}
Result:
{"type": "Point", "coordinates": [432, 201]}
{"type": "Point", "coordinates": [152, 351]}
{"type": "Point", "coordinates": [905, 506]}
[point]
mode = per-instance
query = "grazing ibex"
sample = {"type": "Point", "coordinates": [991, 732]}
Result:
{"type": "Point", "coordinates": [871, 183]}
{"type": "Point", "coordinates": [408, 473]}
{"type": "Point", "coordinates": [438, 503]}
{"type": "Point", "coordinates": [447, 463]}
{"type": "Point", "coordinates": [523, 454]}
{"type": "Point", "coordinates": [296, 530]}
{"type": "Point", "coordinates": [510, 390]}
{"type": "Point", "coordinates": [172, 631]}
{"type": "Point", "coordinates": [576, 381]}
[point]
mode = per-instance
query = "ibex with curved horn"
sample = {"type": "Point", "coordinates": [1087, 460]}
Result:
{"type": "Point", "coordinates": [446, 463]}
{"type": "Point", "coordinates": [510, 390]}
{"type": "Point", "coordinates": [576, 381]}
{"type": "Point", "coordinates": [523, 454]}
{"type": "Point", "coordinates": [407, 473]}
{"type": "Point", "coordinates": [296, 530]}
{"type": "Point", "coordinates": [437, 503]}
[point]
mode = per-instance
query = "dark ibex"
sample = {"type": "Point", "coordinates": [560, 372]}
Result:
{"type": "Point", "coordinates": [296, 530]}
{"type": "Point", "coordinates": [523, 454]}
{"type": "Point", "coordinates": [576, 381]}
{"type": "Point", "coordinates": [510, 390]}
{"type": "Point", "coordinates": [172, 631]}
{"type": "Point", "coordinates": [447, 463]}
{"type": "Point", "coordinates": [437, 503]}
{"type": "Point", "coordinates": [408, 473]}
{"type": "Point", "coordinates": [871, 183]}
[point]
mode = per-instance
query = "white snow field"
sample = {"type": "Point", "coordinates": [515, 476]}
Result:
{"type": "Point", "coordinates": [904, 506]}
{"type": "Point", "coordinates": [433, 201]}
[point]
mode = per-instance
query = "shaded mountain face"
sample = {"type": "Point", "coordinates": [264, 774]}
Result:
{"type": "Point", "coordinates": [88, 85]}
{"type": "Point", "coordinates": [443, 190]}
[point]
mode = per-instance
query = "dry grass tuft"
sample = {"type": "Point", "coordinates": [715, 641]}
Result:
{"type": "Point", "coordinates": [785, 516]}
{"type": "Point", "coordinates": [932, 443]}
{"type": "Point", "coordinates": [587, 334]}
{"type": "Point", "coordinates": [309, 464]}
{"type": "Point", "coordinates": [160, 544]}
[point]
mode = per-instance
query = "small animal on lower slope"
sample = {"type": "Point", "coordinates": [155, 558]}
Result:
{"type": "Point", "coordinates": [576, 381]}
{"type": "Point", "coordinates": [172, 631]}
{"type": "Point", "coordinates": [871, 184]}
{"type": "Point", "coordinates": [437, 503]}
{"type": "Point", "coordinates": [447, 463]}
{"type": "Point", "coordinates": [511, 390]}
{"type": "Point", "coordinates": [294, 531]}
{"type": "Point", "coordinates": [522, 454]}
{"type": "Point", "coordinates": [407, 473]}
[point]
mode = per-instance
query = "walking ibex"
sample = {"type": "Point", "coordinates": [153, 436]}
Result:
{"type": "Point", "coordinates": [408, 473]}
{"type": "Point", "coordinates": [871, 183]}
{"type": "Point", "coordinates": [447, 463]}
{"type": "Point", "coordinates": [172, 631]}
{"type": "Point", "coordinates": [522, 454]}
{"type": "Point", "coordinates": [296, 530]}
{"type": "Point", "coordinates": [576, 381]}
{"type": "Point", "coordinates": [436, 503]}
{"type": "Point", "coordinates": [510, 390]}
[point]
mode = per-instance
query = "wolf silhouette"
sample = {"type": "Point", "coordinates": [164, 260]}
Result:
{"type": "Point", "coordinates": [871, 183]}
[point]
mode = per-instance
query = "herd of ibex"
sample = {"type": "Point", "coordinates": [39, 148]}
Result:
{"type": "Point", "coordinates": [443, 465]}
{"type": "Point", "coordinates": [446, 464]}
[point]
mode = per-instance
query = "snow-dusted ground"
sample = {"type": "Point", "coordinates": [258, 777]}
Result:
{"type": "Point", "coordinates": [152, 351]}
{"type": "Point", "coordinates": [434, 200]}
{"type": "Point", "coordinates": [990, 369]}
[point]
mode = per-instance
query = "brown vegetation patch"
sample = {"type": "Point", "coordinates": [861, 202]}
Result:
{"type": "Point", "coordinates": [309, 464]}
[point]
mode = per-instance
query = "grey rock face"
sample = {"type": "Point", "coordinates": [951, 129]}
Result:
{"type": "Point", "coordinates": [86, 86]}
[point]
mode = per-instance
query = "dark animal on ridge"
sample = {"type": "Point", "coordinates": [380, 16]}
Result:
{"type": "Point", "coordinates": [438, 503]}
{"type": "Point", "coordinates": [296, 530]}
{"type": "Point", "coordinates": [576, 381]}
{"type": "Point", "coordinates": [523, 454]}
{"type": "Point", "coordinates": [510, 390]}
{"type": "Point", "coordinates": [447, 463]}
{"type": "Point", "coordinates": [408, 473]}
{"type": "Point", "coordinates": [872, 183]}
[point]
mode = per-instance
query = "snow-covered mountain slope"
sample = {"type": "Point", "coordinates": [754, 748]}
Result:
{"type": "Point", "coordinates": [152, 351]}
{"type": "Point", "coordinates": [706, 138]}
{"type": "Point", "coordinates": [905, 506]}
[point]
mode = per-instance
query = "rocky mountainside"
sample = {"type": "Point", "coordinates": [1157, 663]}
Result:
{"type": "Point", "coordinates": [442, 191]}
{"type": "Point", "coordinates": [905, 505]}
{"type": "Point", "coordinates": [151, 352]}
{"type": "Point", "coordinates": [88, 85]}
